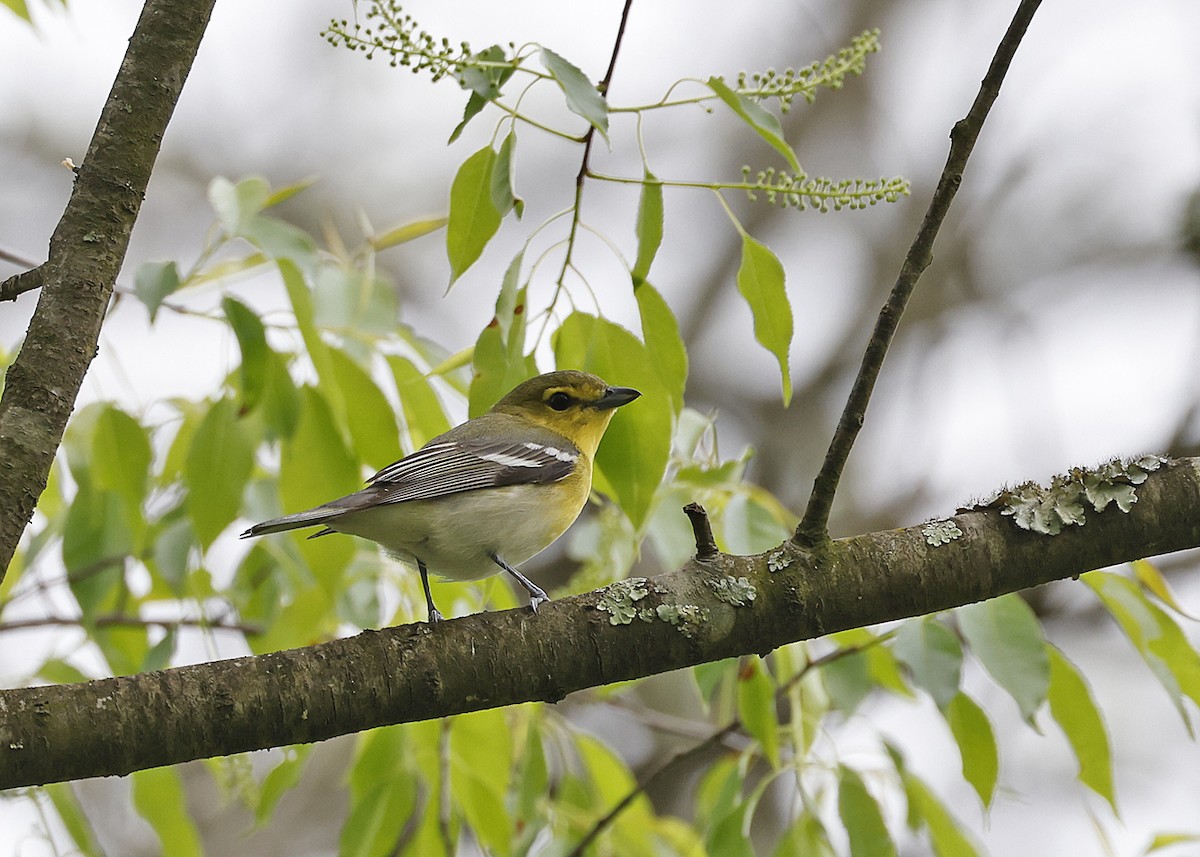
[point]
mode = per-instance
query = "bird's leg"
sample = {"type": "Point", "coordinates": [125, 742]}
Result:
{"type": "Point", "coordinates": [434, 614]}
{"type": "Point", "coordinates": [536, 595]}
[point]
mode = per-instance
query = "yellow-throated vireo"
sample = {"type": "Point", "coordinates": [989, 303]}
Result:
{"type": "Point", "coordinates": [486, 495]}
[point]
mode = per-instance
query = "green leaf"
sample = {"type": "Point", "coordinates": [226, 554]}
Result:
{"type": "Point", "coordinates": [1152, 579]}
{"type": "Point", "coordinates": [583, 98]}
{"type": "Point", "coordinates": [315, 467]}
{"type": "Point", "coordinates": [499, 358]}
{"type": "Point", "coordinates": [1074, 709]}
{"type": "Point", "coordinates": [382, 795]}
{"type": "Point", "coordinates": [279, 781]}
{"type": "Point", "coordinates": [372, 422]}
{"type": "Point", "coordinates": [660, 330]}
{"type": "Point", "coordinates": [1166, 840]}
{"type": "Point", "coordinates": [504, 194]}
{"type": "Point", "coordinates": [424, 416]}
{"type": "Point", "coordinates": [649, 226]}
{"type": "Point", "coordinates": [933, 655]}
{"type": "Point", "coordinates": [1006, 637]}
{"type": "Point", "coordinates": [121, 458]}
{"type": "Point", "coordinates": [301, 298]}
{"type": "Point", "coordinates": [976, 745]}
{"type": "Point", "coordinates": [73, 818]}
{"type": "Point", "coordinates": [218, 465]}
{"type": "Point", "coordinates": [159, 798]}
{"type": "Point", "coordinates": [20, 9]}
{"type": "Point", "coordinates": [805, 838]}
{"type": "Point", "coordinates": [760, 279]}
{"type": "Point", "coordinates": [756, 707]}
{"type": "Point", "coordinates": [58, 671]}
{"type": "Point", "coordinates": [238, 210]}
{"type": "Point", "coordinates": [406, 232]}
{"type": "Point", "coordinates": [96, 540]}
{"type": "Point", "coordinates": [474, 217]}
{"type": "Point", "coordinates": [154, 282]}
{"type": "Point", "coordinates": [764, 123]}
{"type": "Point", "coordinates": [847, 680]}
{"type": "Point", "coordinates": [633, 456]}
{"type": "Point", "coordinates": [862, 817]}
{"type": "Point", "coordinates": [307, 619]}
{"type": "Point", "coordinates": [480, 767]}
{"type": "Point", "coordinates": [1157, 638]}
{"type": "Point", "coordinates": [377, 820]}
{"type": "Point", "coordinates": [286, 192]}
{"type": "Point", "coordinates": [945, 833]}
{"type": "Point", "coordinates": [236, 204]}
{"type": "Point", "coordinates": [483, 81]}
{"type": "Point", "coordinates": [254, 370]}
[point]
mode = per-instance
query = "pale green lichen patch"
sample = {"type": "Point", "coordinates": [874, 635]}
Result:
{"type": "Point", "coordinates": [620, 599]}
{"type": "Point", "coordinates": [737, 591]}
{"type": "Point", "coordinates": [1069, 496]}
{"type": "Point", "coordinates": [778, 560]}
{"type": "Point", "coordinates": [687, 618]}
{"type": "Point", "coordinates": [941, 532]}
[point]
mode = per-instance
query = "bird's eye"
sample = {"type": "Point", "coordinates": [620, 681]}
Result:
{"type": "Point", "coordinates": [560, 401]}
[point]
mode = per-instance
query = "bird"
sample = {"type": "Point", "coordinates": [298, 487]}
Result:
{"type": "Point", "coordinates": [488, 494]}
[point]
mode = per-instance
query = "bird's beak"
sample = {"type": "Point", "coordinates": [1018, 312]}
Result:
{"type": "Point", "coordinates": [614, 397]}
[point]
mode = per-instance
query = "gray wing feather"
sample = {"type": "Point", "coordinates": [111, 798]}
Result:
{"type": "Point", "coordinates": [454, 466]}
{"type": "Point", "coordinates": [442, 468]}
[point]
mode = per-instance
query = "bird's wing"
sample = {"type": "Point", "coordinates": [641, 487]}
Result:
{"type": "Point", "coordinates": [447, 467]}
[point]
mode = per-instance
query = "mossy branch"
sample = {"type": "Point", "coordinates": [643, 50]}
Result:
{"type": "Point", "coordinates": [634, 628]}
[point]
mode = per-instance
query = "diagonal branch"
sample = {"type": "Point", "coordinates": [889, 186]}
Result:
{"type": "Point", "coordinates": [718, 608]}
{"type": "Point", "coordinates": [86, 252]}
{"type": "Point", "coordinates": [814, 527]}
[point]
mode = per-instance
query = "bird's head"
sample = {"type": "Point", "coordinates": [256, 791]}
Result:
{"type": "Point", "coordinates": [577, 405]}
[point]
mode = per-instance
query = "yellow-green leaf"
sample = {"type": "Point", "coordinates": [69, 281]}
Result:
{"type": "Point", "coordinates": [760, 279]}
{"type": "Point", "coordinates": [945, 834]}
{"type": "Point", "coordinates": [372, 422]}
{"type": "Point", "coordinates": [976, 745]}
{"type": "Point", "coordinates": [1074, 709]}
{"type": "Point", "coordinates": [406, 232]}
{"type": "Point", "coordinates": [663, 341]}
{"type": "Point", "coordinates": [633, 456]}
{"type": "Point", "coordinates": [862, 817]}
{"type": "Point", "coordinates": [159, 798]}
{"type": "Point", "coordinates": [933, 655]}
{"type": "Point", "coordinates": [424, 416]}
{"type": "Point", "coordinates": [649, 226]}
{"type": "Point", "coordinates": [764, 123]}
{"type": "Point", "coordinates": [218, 465]}
{"type": "Point", "coordinates": [756, 707]}
{"type": "Point", "coordinates": [474, 218]}
{"type": "Point", "coordinates": [583, 98]}
{"type": "Point", "coordinates": [1006, 637]}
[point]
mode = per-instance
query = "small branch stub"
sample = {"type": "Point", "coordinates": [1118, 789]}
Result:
{"type": "Point", "coordinates": [706, 545]}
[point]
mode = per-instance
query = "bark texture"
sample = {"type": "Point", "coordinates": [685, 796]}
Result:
{"type": "Point", "coordinates": [86, 252]}
{"type": "Point", "coordinates": [714, 608]}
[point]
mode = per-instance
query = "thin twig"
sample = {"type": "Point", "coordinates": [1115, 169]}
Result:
{"type": "Point", "coordinates": [588, 138]}
{"type": "Point", "coordinates": [814, 527]}
{"type": "Point", "coordinates": [706, 545]}
{"type": "Point", "coordinates": [18, 284]}
{"type": "Point", "coordinates": [129, 622]}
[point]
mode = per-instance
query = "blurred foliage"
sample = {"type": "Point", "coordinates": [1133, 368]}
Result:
{"type": "Point", "coordinates": [135, 532]}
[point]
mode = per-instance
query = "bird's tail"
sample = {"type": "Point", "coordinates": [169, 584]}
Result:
{"type": "Point", "coordinates": [309, 518]}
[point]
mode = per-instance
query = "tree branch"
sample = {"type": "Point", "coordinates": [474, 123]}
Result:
{"type": "Point", "coordinates": [814, 527]}
{"type": "Point", "coordinates": [86, 252]}
{"type": "Point", "coordinates": [634, 628]}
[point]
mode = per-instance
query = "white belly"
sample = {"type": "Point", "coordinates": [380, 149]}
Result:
{"type": "Point", "coordinates": [508, 522]}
